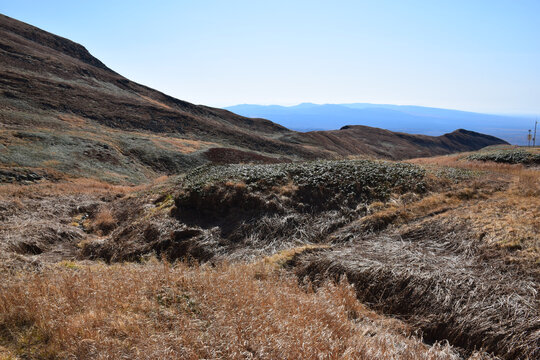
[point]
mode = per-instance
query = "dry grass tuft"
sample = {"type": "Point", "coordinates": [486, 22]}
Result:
{"type": "Point", "coordinates": [104, 222]}
{"type": "Point", "coordinates": [67, 187]}
{"type": "Point", "coordinates": [156, 102]}
{"type": "Point", "coordinates": [281, 258]}
{"type": "Point", "coordinates": [287, 189]}
{"type": "Point", "coordinates": [158, 311]}
{"type": "Point", "coordinates": [528, 183]}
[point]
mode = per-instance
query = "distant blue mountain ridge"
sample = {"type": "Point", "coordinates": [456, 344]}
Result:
{"type": "Point", "coordinates": [403, 118]}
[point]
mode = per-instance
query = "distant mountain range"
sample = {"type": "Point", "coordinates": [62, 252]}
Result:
{"type": "Point", "coordinates": [403, 118]}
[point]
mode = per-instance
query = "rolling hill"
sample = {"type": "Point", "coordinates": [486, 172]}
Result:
{"type": "Point", "coordinates": [62, 111]}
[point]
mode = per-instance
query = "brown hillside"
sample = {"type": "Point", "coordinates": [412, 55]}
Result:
{"type": "Point", "coordinates": [365, 140]}
{"type": "Point", "coordinates": [51, 73]}
{"type": "Point", "coordinates": [63, 110]}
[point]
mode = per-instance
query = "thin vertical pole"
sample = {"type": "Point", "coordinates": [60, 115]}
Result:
{"type": "Point", "coordinates": [534, 138]}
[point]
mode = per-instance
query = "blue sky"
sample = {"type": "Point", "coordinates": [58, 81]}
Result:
{"type": "Point", "coordinates": [470, 55]}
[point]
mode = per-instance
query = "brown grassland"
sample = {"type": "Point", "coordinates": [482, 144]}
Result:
{"type": "Point", "coordinates": [509, 218]}
{"type": "Point", "coordinates": [158, 311]}
{"type": "Point", "coordinates": [74, 308]}
{"type": "Point", "coordinates": [295, 259]}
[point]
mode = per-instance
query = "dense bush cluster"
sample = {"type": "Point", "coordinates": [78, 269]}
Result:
{"type": "Point", "coordinates": [265, 208]}
{"type": "Point", "coordinates": [508, 156]}
{"type": "Point", "coordinates": [328, 184]}
{"type": "Point", "coordinates": [454, 174]}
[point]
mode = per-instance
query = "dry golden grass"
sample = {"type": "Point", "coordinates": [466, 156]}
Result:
{"type": "Point", "coordinates": [7, 138]}
{"type": "Point", "coordinates": [156, 102]}
{"type": "Point", "coordinates": [184, 146]}
{"type": "Point", "coordinates": [235, 184]}
{"type": "Point", "coordinates": [528, 183]}
{"type": "Point", "coordinates": [398, 212]}
{"type": "Point", "coordinates": [158, 311]}
{"type": "Point", "coordinates": [104, 222]}
{"type": "Point", "coordinates": [508, 219]}
{"type": "Point", "coordinates": [280, 259]}
{"type": "Point", "coordinates": [154, 310]}
{"type": "Point", "coordinates": [73, 120]}
{"type": "Point", "coordinates": [50, 163]}
{"type": "Point", "coordinates": [67, 187]}
{"type": "Point", "coordinates": [458, 161]}
{"type": "Point", "coordinates": [287, 189]}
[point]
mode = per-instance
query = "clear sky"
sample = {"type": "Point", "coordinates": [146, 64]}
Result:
{"type": "Point", "coordinates": [478, 55]}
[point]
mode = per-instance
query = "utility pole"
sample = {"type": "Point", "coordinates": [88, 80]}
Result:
{"type": "Point", "coordinates": [534, 137]}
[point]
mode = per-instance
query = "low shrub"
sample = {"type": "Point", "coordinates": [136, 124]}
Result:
{"type": "Point", "coordinates": [319, 185]}
{"type": "Point", "coordinates": [508, 156]}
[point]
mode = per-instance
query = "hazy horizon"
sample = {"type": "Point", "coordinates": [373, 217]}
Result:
{"type": "Point", "coordinates": [525, 115]}
{"type": "Point", "coordinates": [402, 118]}
{"type": "Point", "coordinates": [477, 56]}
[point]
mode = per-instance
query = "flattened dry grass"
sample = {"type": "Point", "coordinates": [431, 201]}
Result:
{"type": "Point", "coordinates": [184, 146]}
{"type": "Point", "coordinates": [397, 213]}
{"type": "Point", "coordinates": [459, 161]}
{"type": "Point", "coordinates": [158, 311]}
{"type": "Point", "coordinates": [508, 219]}
{"type": "Point", "coordinates": [70, 187]}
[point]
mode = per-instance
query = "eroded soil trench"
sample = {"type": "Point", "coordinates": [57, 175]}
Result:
{"type": "Point", "coordinates": [442, 281]}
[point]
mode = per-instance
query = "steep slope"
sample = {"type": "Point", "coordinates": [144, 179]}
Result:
{"type": "Point", "coordinates": [53, 73]}
{"type": "Point", "coordinates": [61, 108]}
{"type": "Point", "coordinates": [62, 111]}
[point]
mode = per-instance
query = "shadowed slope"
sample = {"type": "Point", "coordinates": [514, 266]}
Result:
{"type": "Point", "coordinates": [48, 72]}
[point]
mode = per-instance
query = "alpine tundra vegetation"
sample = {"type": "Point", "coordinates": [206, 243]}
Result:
{"type": "Point", "coordinates": [134, 225]}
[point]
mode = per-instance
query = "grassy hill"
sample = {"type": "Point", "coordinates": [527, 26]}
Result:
{"type": "Point", "coordinates": [63, 112]}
